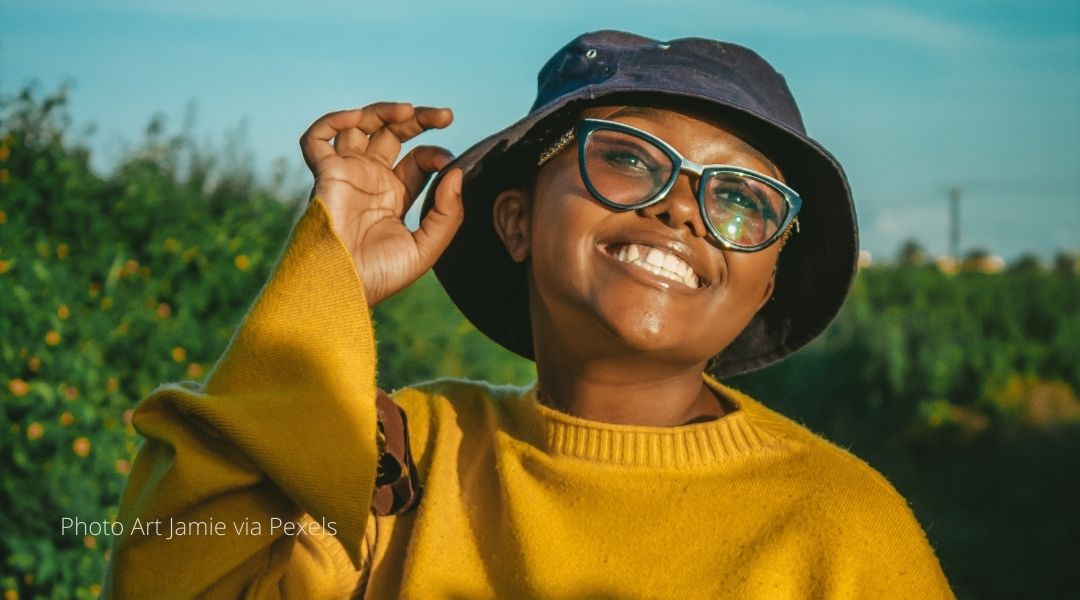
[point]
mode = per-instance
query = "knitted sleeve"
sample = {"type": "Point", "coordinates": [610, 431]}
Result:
{"type": "Point", "coordinates": [259, 483]}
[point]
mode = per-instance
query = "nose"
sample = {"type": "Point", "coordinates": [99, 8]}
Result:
{"type": "Point", "coordinates": [679, 208]}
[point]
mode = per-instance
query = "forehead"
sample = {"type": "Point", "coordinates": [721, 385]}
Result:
{"type": "Point", "coordinates": [708, 132]}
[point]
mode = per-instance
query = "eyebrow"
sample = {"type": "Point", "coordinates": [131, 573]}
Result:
{"type": "Point", "coordinates": [743, 146]}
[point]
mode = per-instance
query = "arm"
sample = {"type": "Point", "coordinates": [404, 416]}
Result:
{"type": "Point", "coordinates": [285, 428]}
{"type": "Point", "coordinates": [285, 425]}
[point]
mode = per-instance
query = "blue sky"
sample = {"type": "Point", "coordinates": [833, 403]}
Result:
{"type": "Point", "coordinates": [911, 96]}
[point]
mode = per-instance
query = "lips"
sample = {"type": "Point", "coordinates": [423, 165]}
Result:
{"type": "Point", "coordinates": [659, 261]}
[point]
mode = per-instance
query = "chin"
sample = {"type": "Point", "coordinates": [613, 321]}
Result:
{"type": "Point", "coordinates": [650, 334]}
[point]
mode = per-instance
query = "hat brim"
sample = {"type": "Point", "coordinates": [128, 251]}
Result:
{"type": "Point", "coordinates": [815, 272]}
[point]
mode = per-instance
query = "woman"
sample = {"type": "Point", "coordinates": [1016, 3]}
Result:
{"type": "Point", "coordinates": [658, 220]}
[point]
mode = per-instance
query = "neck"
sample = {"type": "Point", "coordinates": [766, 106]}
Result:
{"type": "Point", "coordinates": [622, 392]}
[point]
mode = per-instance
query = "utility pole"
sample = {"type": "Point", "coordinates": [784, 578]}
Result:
{"type": "Point", "coordinates": [954, 221]}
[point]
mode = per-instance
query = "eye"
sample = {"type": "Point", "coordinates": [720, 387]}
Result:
{"type": "Point", "coordinates": [629, 160]}
{"type": "Point", "coordinates": [621, 154]}
{"type": "Point", "coordinates": [743, 210]}
{"type": "Point", "coordinates": [742, 199]}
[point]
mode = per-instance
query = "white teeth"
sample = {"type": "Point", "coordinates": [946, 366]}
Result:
{"type": "Point", "coordinates": [655, 257]}
{"type": "Point", "coordinates": [659, 262]}
{"type": "Point", "coordinates": [673, 264]}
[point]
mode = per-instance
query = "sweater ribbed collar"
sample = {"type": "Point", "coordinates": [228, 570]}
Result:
{"type": "Point", "coordinates": [751, 428]}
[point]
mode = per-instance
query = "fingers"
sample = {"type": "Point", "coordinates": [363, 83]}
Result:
{"type": "Point", "coordinates": [315, 142]}
{"type": "Point", "coordinates": [415, 169]}
{"type": "Point", "coordinates": [377, 130]}
{"type": "Point", "coordinates": [351, 142]}
{"type": "Point", "coordinates": [385, 143]}
{"type": "Point", "coordinates": [442, 221]}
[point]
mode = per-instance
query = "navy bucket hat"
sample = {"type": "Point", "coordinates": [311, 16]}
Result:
{"type": "Point", "coordinates": [815, 269]}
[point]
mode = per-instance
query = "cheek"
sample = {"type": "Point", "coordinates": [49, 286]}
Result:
{"type": "Point", "coordinates": [563, 237]}
{"type": "Point", "coordinates": [749, 278]}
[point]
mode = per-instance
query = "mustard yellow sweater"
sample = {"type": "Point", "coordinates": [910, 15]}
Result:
{"type": "Point", "coordinates": [519, 500]}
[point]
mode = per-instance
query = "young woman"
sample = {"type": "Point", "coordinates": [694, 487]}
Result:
{"type": "Point", "coordinates": [658, 220]}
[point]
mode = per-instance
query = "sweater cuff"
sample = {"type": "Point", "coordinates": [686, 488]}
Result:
{"type": "Point", "coordinates": [300, 377]}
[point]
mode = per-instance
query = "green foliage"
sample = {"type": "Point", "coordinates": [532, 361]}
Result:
{"type": "Point", "coordinates": [423, 336]}
{"type": "Point", "coordinates": [109, 286]}
{"type": "Point", "coordinates": [960, 388]}
{"type": "Point", "coordinates": [915, 349]}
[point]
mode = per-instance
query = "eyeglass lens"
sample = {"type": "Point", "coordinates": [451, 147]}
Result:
{"type": "Point", "coordinates": [628, 170]}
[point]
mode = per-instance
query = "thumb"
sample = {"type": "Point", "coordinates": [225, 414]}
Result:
{"type": "Point", "coordinates": [442, 221]}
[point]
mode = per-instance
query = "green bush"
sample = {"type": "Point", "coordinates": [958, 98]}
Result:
{"type": "Point", "coordinates": [109, 286]}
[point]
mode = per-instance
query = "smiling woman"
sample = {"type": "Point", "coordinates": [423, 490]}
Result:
{"type": "Point", "coordinates": [636, 266]}
{"type": "Point", "coordinates": [635, 322]}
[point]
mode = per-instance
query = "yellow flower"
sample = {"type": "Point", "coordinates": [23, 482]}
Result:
{"type": "Point", "coordinates": [5, 266]}
{"type": "Point", "coordinates": [63, 311]}
{"type": "Point", "coordinates": [4, 176]}
{"type": "Point", "coordinates": [179, 354]}
{"type": "Point", "coordinates": [95, 289]}
{"type": "Point", "coordinates": [95, 589]}
{"type": "Point", "coordinates": [18, 387]}
{"type": "Point", "coordinates": [130, 266]}
{"type": "Point", "coordinates": [66, 418]}
{"type": "Point", "coordinates": [3, 217]}
{"type": "Point", "coordinates": [106, 303]}
{"type": "Point", "coordinates": [189, 254]}
{"type": "Point", "coordinates": [112, 384]}
{"type": "Point", "coordinates": [5, 153]}
{"type": "Point", "coordinates": [89, 541]}
{"type": "Point", "coordinates": [11, 595]}
{"type": "Point", "coordinates": [81, 446]}
{"type": "Point", "coordinates": [171, 245]}
{"type": "Point", "coordinates": [194, 370]}
{"type": "Point", "coordinates": [242, 262]}
{"type": "Point", "coordinates": [62, 250]}
{"type": "Point", "coordinates": [34, 431]}
{"type": "Point", "coordinates": [52, 338]}
{"type": "Point", "coordinates": [163, 310]}
{"type": "Point", "coordinates": [34, 363]}
{"type": "Point", "coordinates": [122, 328]}
{"type": "Point", "coordinates": [123, 467]}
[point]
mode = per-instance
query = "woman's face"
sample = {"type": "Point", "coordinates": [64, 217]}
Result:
{"type": "Point", "coordinates": [590, 293]}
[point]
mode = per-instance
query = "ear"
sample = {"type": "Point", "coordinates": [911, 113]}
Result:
{"type": "Point", "coordinates": [512, 211]}
{"type": "Point", "coordinates": [769, 286]}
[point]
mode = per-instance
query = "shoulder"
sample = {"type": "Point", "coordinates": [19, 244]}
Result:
{"type": "Point", "coordinates": [448, 406]}
{"type": "Point", "coordinates": [833, 476]}
{"type": "Point", "coordinates": [458, 396]}
{"type": "Point", "coordinates": [849, 510]}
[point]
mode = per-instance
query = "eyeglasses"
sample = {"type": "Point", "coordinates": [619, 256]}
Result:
{"type": "Point", "coordinates": [626, 168]}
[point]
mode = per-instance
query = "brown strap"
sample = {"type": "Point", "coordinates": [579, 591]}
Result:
{"type": "Point", "coordinates": [397, 486]}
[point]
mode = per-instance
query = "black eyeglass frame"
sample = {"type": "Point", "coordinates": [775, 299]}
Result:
{"type": "Point", "coordinates": [586, 127]}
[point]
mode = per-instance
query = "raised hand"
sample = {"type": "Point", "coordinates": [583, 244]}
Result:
{"type": "Point", "coordinates": [351, 153]}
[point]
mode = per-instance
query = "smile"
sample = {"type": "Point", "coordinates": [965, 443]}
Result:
{"type": "Point", "coordinates": [656, 261]}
